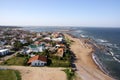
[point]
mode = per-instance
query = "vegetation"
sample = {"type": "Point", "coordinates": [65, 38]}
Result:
{"type": "Point", "coordinates": [70, 74]}
{"type": "Point", "coordinates": [56, 61]}
{"type": "Point", "coordinates": [16, 60]}
{"type": "Point", "coordinates": [68, 40]}
{"type": "Point", "coordinates": [10, 75]}
{"type": "Point", "coordinates": [59, 63]}
{"type": "Point", "coordinates": [17, 45]}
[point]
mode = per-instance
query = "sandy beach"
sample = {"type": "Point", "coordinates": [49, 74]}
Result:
{"type": "Point", "coordinates": [86, 67]}
{"type": "Point", "coordinates": [39, 73]}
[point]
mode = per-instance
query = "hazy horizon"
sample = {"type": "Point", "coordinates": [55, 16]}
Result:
{"type": "Point", "coordinates": [94, 13]}
{"type": "Point", "coordinates": [58, 26]}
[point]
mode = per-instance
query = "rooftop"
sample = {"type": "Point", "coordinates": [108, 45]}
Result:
{"type": "Point", "coordinates": [2, 50]}
{"type": "Point", "coordinates": [37, 57]}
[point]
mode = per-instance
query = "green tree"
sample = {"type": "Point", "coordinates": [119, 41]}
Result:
{"type": "Point", "coordinates": [18, 45]}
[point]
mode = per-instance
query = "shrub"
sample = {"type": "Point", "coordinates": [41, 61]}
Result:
{"type": "Point", "coordinates": [70, 74]}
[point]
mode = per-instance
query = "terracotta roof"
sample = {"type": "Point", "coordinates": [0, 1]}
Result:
{"type": "Point", "coordinates": [60, 52]}
{"type": "Point", "coordinates": [60, 49]}
{"type": "Point", "coordinates": [38, 57]}
{"type": "Point", "coordinates": [62, 45]}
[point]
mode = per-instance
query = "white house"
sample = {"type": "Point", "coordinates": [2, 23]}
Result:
{"type": "Point", "coordinates": [26, 51]}
{"type": "Point", "coordinates": [57, 39]}
{"type": "Point", "coordinates": [23, 41]}
{"type": "Point", "coordinates": [47, 38]}
{"type": "Point", "coordinates": [37, 61]}
{"type": "Point", "coordinates": [39, 48]}
{"type": "Point", "coordinates": [34, 39]}
{"type": "Point", "coordinates": [4, 52]}
{"type": "Point", "coordinates": [2, 42]}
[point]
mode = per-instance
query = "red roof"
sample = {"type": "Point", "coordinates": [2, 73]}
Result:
{"type": "Point", "coordinates": [38, 57]}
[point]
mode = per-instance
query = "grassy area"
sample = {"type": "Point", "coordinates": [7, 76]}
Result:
{"type": "Point", "coordinates": [68, 41]}
{"type": "Point", "coordinates": [56, 61]}
{"type": "Point", "coordinates": [59, 63]}
{"type": "Point", "coordinates": [15, 61]}
{"type": "Point", "coordinates": [70, 74]}
{"type": "Point", "coordinates": [9, 75]}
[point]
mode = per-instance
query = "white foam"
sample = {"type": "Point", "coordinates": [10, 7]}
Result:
{"type": "Point", "coordinates": [81, 35]}
{"type": "Point", "coordinates": [101, 40]}
{"type": "Point", "coordinates": [109, 44]}
{"type": "Point", "coordinates": [111, 53]}
{"type": "Point", "coordinates": [99, 64]}
{"type": "Point", "coordinates": [116, 59]}
{"type": "Point", "coordinates": [115, 45]}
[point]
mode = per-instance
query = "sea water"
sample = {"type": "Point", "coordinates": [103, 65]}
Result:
{"type": "Point", "coordinates": [108, 59]}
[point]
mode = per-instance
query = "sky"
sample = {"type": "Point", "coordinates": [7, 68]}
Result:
{"type": "Point", "coordinates": [93, 13]}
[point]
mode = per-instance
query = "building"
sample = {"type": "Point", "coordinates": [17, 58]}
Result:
{"type": "Point", "coordinates": [4, 52]}
{"type": "Point", "coordinates": [37, 48]}
{"type": "Point", "coordinates": [60, 46]}
{"type": "Point", "coordinates": [26, 51]}
{"type": "Point", "coordinates": [23, 41]}
{"type": "Point", "coordinates": [47, 38]}
{"type": "Point", "coordinates": [37, 61]}
{"type": "Point", "coordinates": [58, 39]}
{"type": "Point", "coordinates": [60, 52]}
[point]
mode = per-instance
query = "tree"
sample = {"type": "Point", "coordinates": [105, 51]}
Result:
{"type": "Point", "coordinates": [18, 45]}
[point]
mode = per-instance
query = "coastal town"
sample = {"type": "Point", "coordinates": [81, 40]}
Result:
{"type": "Point", "coordinates": [52, 54]}
{"type": "Point", "coordinates": [34, 48]}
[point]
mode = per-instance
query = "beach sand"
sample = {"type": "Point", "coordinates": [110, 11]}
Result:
{"type": "Point", "coordinates": [39, 73]}
{"type": "Point", "coordinates": [86, 67]}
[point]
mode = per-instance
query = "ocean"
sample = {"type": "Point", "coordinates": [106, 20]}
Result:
{"type": "Point", "coordinates": [109, 58]}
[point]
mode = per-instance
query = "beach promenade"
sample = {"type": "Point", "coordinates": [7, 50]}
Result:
{"type": "Point", "coordinates": [86, 67]}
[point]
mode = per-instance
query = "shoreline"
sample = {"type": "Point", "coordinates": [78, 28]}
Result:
{"type": "Point", "coordinates": [94, 58]}
{"type": "Point", "coordinates": [99, 65]}
{"type": "Point", "coordinates": [83, 65]}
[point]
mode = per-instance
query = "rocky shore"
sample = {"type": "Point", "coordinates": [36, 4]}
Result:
{"type": "Point", "coordinates": [86, 67]}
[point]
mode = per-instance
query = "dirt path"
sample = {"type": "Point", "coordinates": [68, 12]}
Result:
{"type": "Point", "coordinates": [39, 73]}
{"type": "Point", "coordinates": [87, 69]}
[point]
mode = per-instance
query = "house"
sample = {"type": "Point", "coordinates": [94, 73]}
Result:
{"type": "Point", "coordinates": [37, 48]}
{"type": "Point", "coordinates": [47, 38]}
{"type": "Point", "coordinates": [55, 34]}
{"type": "Point", "coordinates": [23, 41]}
{"type": "Point", "coordinates": [34, 39]}
{"type": "Point", "coordinates": [32, 55]}
{"type": "Point", "coordinates": [37, 61]}
{"type": "Point", "coordinates": [38, 35]}
{"type": "Point", "coordinates": [59, 39]}
{"type": "Point", "coordinates": [8, 47]}
{"type": "Point", "coordinates": [60, 52]}
{"type": "Point", "coordinates": [60, 46]}
{"type": "Point", "coordinates": [3, 42]}
{"type": "Point", "coordinates": [26, 51]}
{"type": "Point", "coordinates": [4, 52]}
{"type": "Point", "coordinates": [37, 42]}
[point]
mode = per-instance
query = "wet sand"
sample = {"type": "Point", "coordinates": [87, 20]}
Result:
{"type": "Point", "coordinates": [86, 67]}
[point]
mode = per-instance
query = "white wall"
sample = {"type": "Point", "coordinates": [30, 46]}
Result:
{"type": "Point", "coordinates": [38, 63]}
{"type": "Point", "coordinates": [4, 52]}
